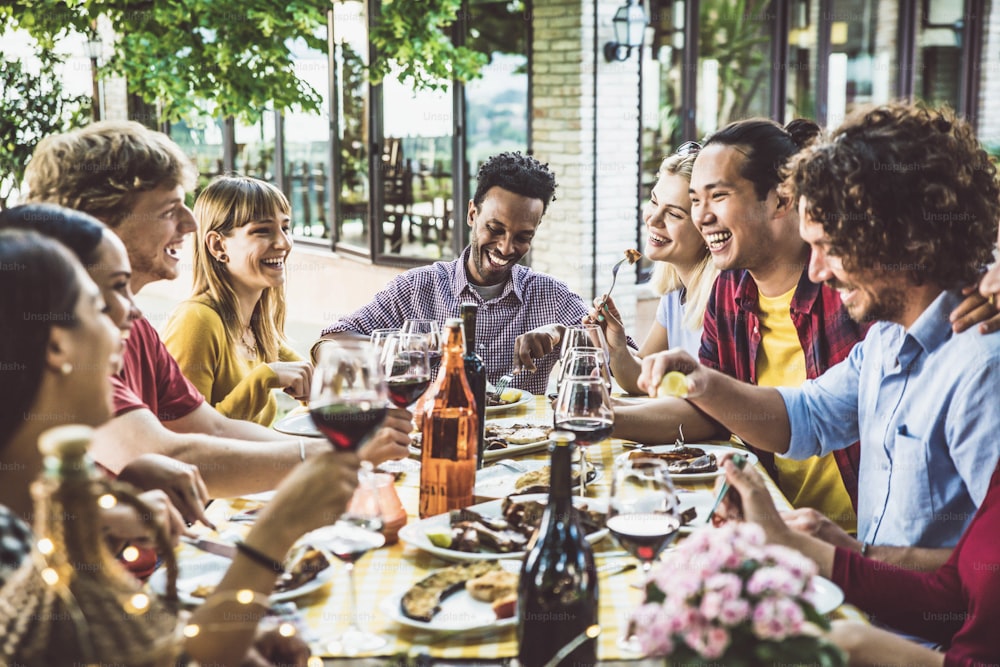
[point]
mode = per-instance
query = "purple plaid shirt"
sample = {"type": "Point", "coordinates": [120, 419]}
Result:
{"type": "Point", "coordinates": [529, 300]}
{"type": "Point", "coordinates": [827, 334]}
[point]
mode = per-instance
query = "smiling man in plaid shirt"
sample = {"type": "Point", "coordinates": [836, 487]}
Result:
{"type": "Point", "coordinates": [522, 313]}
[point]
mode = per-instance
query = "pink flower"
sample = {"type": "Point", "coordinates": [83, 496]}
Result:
{"type": "Point", "coordinates": [716, 642]}
{"type": "Point", "coordinates": [774, 580]}
{"type": "Point", "coordinates": [777, 618]}
{"type": "Point", "coordinates": [734, 612]}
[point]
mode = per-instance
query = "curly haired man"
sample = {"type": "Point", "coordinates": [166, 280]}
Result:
{"type": "Point", "coordinates": [899, 209]}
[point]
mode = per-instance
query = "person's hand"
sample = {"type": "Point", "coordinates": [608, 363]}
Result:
{"type": "Point", "coordinates": [749, 500]}
{"type": "Point", "coordinates": [975, 309]}
{"type": "Point", "coordinates": [313, 494]}
{"type": "Point", "coordinates": [392, 440]}
{"type": "Point", "coordinates": [122, 523]}
{"type": "Point", "coordinates": [610, 320]}
{"type": "Point", "coordinates": [655, 366]}
{"type": "Point", "coordinates": [181, 482]}
{"type": "Point", "coordinates": [294, 377]}
{"type": "Point", "coordinates": [532, 345]}
{"type": "Point", "coordinates": [270, 647]}
{"type": "Point", "coordinates": [809, 521]}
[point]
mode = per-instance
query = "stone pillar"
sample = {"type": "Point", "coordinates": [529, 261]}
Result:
{"type": "Point", "coordinates": [597, 171]}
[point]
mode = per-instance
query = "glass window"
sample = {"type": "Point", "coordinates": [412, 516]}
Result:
{"type": "Point", "coordinates": [803, 43]}
{"type": "Point", "coordinates": [734, 61]}
{"type": "Point", "coordinates": [863, 65]}
{"type": "Point", "coordinates": [938, 72]}
{"type": "Point", "coordinates": [350, 34]}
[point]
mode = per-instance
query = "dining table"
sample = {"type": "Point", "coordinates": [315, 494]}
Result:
{"type": "Point", "coordinates": [323, 614]}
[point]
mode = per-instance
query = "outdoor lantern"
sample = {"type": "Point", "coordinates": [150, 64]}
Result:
{"type": "Point", "coordinates": [94, 46]}
{"type": "Point", "coordinates": [629, 24]}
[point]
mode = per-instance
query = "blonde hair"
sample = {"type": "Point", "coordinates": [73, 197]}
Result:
{"type": "Point", "coordinates": [666, 279]}
{"type": "Point", "coordinates": [101, 169]}
{"type": "Point", "coordinates": [227, 203]}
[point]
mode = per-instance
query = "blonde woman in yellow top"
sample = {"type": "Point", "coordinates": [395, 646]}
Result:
{"type": "Point", "coordinates": [229, 336]}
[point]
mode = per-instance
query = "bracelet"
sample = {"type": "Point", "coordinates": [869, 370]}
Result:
{"type": "Point", "coordinates": [302, 449]}
{"type": "Point", "coordinates": [864, 548]}
{"type": "Point", "coordinates": [259, 557]}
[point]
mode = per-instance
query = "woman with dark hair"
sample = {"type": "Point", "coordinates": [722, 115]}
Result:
{"type": "Point", "coordinates": [61, 348]}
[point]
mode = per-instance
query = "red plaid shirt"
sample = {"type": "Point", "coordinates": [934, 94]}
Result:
{"type": "Point", "coordinates": [827, 334]}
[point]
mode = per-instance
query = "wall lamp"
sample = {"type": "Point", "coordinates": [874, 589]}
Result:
{"type": "Point", "coordinates": [629, 23]}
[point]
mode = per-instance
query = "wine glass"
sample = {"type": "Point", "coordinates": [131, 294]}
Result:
{"type": "Point", "coordinates": [583, 407]}
{"type": "Point", "coordinates": [585, 361]}
{"type": "Point", "coordinates": [378, 337]}
{"type": "Point", "coordinates": [584, 335]}
{"type": "Point", "coordinates": [354, 534]}
{"type": "Point", "coordinates": [406, 362]}
{"type": "Point", "coordinates": [433, 330]}
{"type": "Point", "coordinates": [348, 399]}
{"type": "Point", "coordinates": [642, 514]}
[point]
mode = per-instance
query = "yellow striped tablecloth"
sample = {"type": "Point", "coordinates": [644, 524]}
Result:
{"type": "Point", "coordinates": [390, 570]}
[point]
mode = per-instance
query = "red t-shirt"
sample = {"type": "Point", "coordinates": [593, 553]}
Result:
{"type": "Point", "coordinates": [151, 378]}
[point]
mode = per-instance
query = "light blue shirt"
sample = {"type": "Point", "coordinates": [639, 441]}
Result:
{"type": "Point", "coordinates": [929, 425]}
{"type": "Point", "coordinates": [670, 316]}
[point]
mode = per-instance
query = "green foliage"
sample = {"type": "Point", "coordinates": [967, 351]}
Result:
{"type": "Point", "coordinates": [413, 36]}
{"type": "Point", "coordinates": [736, 33]}
{"type": "Point", "coordinates": [224, 58]}
{"type": "Point", "coordinates": [32, 106]}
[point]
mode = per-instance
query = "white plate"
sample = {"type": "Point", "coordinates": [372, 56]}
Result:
{"type": "Point", "coordinates": [297, 424]}
{"type": "Point", "coordinates": [702, 501]}
{"type": "Point", "coordinates": [460, 612]}
{"type": "Point", "coordinates": [523, 399]}
{"type": "Point", "coordinates": [208, 569]}
{"type": "Point", "coordinates": [415, 533]}
{"type": "Point", "coordinates": [828, 595]}
{"type": "Point", "coordinates": [510, 450]}
{"type": "Point", "coordinates": [718, 450]}
{"type": "Point", "coordinates": [497, 481]}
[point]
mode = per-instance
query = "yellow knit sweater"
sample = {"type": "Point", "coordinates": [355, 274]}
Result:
{"type": "Point", "coordinates": [236, 387]}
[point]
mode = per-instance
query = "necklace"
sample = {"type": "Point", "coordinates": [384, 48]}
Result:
{"type": "Point", "coordinates": [249, 343]}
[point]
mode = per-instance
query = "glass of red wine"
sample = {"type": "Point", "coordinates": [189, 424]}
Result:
{"type": "Point", "coordinates": [348, 399]}
{"type": "Point", "coordinates": [642, 514]}
{"type": "Point", "coordinates": [583, 407]}
{"type": "Point", "coordinates": [406, 364]}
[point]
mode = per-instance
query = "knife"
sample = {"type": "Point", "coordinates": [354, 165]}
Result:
{"type": "Point", "coordinates": [211, 546]}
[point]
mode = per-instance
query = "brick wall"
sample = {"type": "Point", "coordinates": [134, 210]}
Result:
{"type": "Point", "coordinates": [563, 125]}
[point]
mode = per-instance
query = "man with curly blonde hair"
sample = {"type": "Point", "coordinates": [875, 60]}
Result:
{"type": "Point", "coordinates": [135, 180]}
{"type": "Point", "coordinates": [899, 209]}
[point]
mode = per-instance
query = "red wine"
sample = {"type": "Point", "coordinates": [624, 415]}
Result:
{"type": "Point", "coordinates": [644, 534]}
{"type": "Point", "coordinates": [475, 373]}
{"type": "Point", "coordinates": [347, 425]}
{"type": "Point", "coordinates": [405, 390]}
{"type": "Point", "coordinates": [350, 543]}
{"type": "Point", "coordinates": [557, 595]}
{"type": "Point", "coordinates": [587, 430]}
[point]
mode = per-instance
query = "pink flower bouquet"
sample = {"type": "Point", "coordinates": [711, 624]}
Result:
{"type": "Point", "coordinates": [725, 597]}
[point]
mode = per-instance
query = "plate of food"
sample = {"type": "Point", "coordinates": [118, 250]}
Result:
{"type": "Point", "coordinates": [497, 529]}
{"type": "Point", "coordinates": [504, 438]}
{"type": "Point", "coordinates": [696, 505]}
{"type": "Point", "coordinates": [691, 463]}
{"type": "Point", "coordinates": [474, 597]}
{"type": "Point", "coordinates": [508, 400]}
{"type": "Point", "coordinates": [514, 477]}
{"type": "Point", "coordinates": [299, 423]}
{"type": "Point", "coordinates": [307, 569]}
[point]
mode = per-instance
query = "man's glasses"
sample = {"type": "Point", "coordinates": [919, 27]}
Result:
{"type": "Point", "coordinates": [688, 148]}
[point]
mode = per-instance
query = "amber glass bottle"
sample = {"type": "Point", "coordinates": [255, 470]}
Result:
{"type": "Point", "coordinates": [72, 603]}
{"type": "Point", "coordinates": [450, 433]}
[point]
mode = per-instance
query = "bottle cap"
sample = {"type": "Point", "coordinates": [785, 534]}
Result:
{"type": "Point", "coordinates": [452, 322]}
{"type": "Point", "coordinates": [66, 442]}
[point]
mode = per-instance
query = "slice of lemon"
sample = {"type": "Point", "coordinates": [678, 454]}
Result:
{"type": "Point", "coordinates": [439, 536]}
{"type": "Point", "coordinates": [510, 395]}
{"type": "Point", "coordinates": [673, 383]}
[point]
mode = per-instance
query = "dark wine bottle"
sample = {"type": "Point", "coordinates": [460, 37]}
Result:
{"type": "Point", "coordinates": [557, 597]}
{"type": "Point", "coordinates": [450, 427]}
{"type": "Point", "coordinates": [475, 373]}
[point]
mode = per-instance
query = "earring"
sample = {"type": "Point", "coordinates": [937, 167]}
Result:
{"type": "Point", "coordinates": [66, 368]}
{"type": "Point", "coordinates": [223, 258]}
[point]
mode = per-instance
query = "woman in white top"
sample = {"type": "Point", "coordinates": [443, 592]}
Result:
{"type": "Point", "coordinates": [683, 273]}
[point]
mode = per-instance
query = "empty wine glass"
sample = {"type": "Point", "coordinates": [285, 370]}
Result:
{"type": "Point", "coordinates": [642, 514]}
{"type": "Point", "coordinates": [433, 330]}
{"type": "Point", "coordinates": [583, 407]}
{"type": "Point", "coordinates": [585, 361]}
{"type": "Point", "coordinates": [378, 338]}
{"type": "Point", "coordinates": [584, 335]}
{"type": "Point", "coordinates": [354, 534]}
